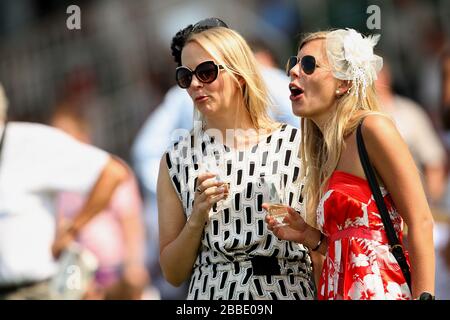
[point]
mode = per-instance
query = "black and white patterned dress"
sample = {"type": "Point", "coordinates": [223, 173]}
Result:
{"type": "Point", "coordinates": [239, 258]}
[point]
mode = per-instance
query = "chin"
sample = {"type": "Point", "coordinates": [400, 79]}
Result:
{"type": "Point", "coordinates": [205, 109]}
{"type": "Point", "coordinates": [299, 111]}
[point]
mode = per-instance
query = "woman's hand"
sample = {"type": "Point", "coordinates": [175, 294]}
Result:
{"type": "Point", "coordinates": [207, 193]}
{"type": "Point", "coordinates": [296, 230]}
{"type": "Point", "coordinates": [64, 237]}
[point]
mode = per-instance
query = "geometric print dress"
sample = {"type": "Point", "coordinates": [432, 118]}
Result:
{"type": "Point", "coordinates": [239, 258]}
{"type": "Point", "coordinates": [358, 263]}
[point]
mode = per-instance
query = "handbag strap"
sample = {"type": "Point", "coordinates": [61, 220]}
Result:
{"type": "Point", "coordinates": [394, 244]}
{"type": "Point", "coordinates": [374, 186]}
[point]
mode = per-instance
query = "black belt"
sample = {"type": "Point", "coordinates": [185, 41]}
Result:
{"type": "Point", "coordinates": [7, 289]}
{"type": "Point", "coordinates": [265, 266]}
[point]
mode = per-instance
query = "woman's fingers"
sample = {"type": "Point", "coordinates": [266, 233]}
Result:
{"type": "Point", "coordinates": [213, 190]}
{"type": "Point", "coordinates": [206, 183]}
{"type": "Point", "coordinates": [292, 212]}
{"type": "Point", "coordinates": [202, 177]}
{"type": "Point", "coordinates": [271, 222]}
{"type": "Point", "coordinates": [205, 176]}
{"type": "Point", "coordinates": [217, 198]}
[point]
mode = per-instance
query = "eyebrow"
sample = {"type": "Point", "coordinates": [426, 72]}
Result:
{"type": "Point", "coordinates": [184, 65]}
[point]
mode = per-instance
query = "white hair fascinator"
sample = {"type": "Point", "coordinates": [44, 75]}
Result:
{"type": "Point", "coordinates": [351, 57]}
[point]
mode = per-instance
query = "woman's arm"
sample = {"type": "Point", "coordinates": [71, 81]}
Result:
{"type": "Point", "coordinates": [179, 239]}
{"type": "Point", "coordinates": [393, 162]}
{"type": "Point", "coordinates": [114, 173]}
{"type": "Point", "coordinates": [128, 204]}
{"type": "Point", "coordinates": [298, 231]}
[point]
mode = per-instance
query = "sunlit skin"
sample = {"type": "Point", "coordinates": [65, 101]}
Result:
{"type": "Point", "coordinates": [318, 88]}
{"type": "Point", "coordinates": [217, 101]}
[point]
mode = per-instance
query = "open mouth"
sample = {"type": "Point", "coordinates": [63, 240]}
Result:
{"type": "Point", "coordinates": [295, 91]}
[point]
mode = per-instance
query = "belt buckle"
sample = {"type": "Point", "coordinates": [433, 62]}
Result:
{"type": "Point", "coordinates": [265, 266]}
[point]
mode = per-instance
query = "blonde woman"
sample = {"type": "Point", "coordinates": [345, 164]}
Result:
{"type": "Point", "coordinates": [332, 89]}
{"type": "Point", "coordinates": [212, 229]}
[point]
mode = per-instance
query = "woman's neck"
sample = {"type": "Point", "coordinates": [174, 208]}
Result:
{"type": "Point", "coordinates": [232, 117]}
{"type": "Point", "coordinates": [321, 120]}
{"type": "Point", "coordinates": [235, 128]}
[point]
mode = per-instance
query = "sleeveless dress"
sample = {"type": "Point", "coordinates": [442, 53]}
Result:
{"type": "Point", "coordinates": [239, 258]}
{"type": "Point", "coordinates": [358, 263]}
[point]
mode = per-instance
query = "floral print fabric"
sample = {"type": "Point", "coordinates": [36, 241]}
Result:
{"type": "Point", "coordinates": [358, 264]}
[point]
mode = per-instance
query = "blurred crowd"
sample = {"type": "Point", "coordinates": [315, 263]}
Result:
{"type": "Point", "coordinates": [111, 85]}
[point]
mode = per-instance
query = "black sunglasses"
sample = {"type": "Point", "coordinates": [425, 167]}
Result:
{"type": "Point", "coordinates": [206, 72]}
{"type": "Point", "coordinates": [308, 64]}
{"type": "Point", "coordinates": [208, 24]}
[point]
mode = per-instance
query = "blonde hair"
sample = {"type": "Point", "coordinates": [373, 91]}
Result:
{"type": "Point", "coordinates": [3, 105]}
{"type": "Point", "coordinates": [320, 151]}
{"type": "Point", "coordinates": [230, 49]}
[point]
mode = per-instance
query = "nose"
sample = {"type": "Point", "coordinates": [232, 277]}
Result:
{"type": "Point", "coordinates": [295, 71]}
{"type": "Point", "coordinates": [195, 83]}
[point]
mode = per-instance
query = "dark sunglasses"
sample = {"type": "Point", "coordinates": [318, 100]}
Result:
{"type": "Point", "coordinates": [208, 24]}
{"type": "Point", "coordinates": [206, 72]}
{"type": "Point", "coordinates": [308, 64]}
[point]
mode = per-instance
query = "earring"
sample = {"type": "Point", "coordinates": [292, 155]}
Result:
{"type": "Point", "coordinates": [338, 92]}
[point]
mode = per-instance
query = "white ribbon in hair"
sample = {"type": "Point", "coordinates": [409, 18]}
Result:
{"type": "Point", "coordinates": [351, 57]}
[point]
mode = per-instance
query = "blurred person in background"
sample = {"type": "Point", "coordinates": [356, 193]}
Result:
{"type": "Point", "coordinates": [419, 134]}
{"type": "Point", "coordinates": [442, 217]}
{"type": "Point", "coordinates": [442, 249]}
{"type": "Point", "coordinates": [37, 162]}
{"type": "Point", "coordinates": [445, 96]}
{"type": "Point", "coordinates": [176, 112]}
{"type": "Point", "coordinates": [405, 44]}
{"type": "Point", "coordinates": [225, 248]}
{"type": "Point", "coordinates": [116, 236]}
{"type": "Point", "coordinates": [445, 113]}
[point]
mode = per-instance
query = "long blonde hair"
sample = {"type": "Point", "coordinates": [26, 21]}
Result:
{"type": "Point", "coordinates": [230, 49]}
{"type": "Point", "coordinates": [321, 150]}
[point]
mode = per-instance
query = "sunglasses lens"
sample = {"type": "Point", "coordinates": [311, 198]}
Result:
{"type": "Point", "coordinates": [183, 77]}
{"type": "Point", "coordinates": [209, 23]}
{"type": "Point", "coordinates": [206, 72]}
{"type": "Point", "coordinates": [290, 64]}
{"type": "Point", "coordinates": [308, 64]}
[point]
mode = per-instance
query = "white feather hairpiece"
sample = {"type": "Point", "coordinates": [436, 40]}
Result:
{"type": "Point", "coordinates": [351, 57]}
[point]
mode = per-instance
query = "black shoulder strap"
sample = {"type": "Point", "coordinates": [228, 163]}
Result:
{"type": "Point", "coordinates": [371, 178]}
{"type": "Point", "coordinates": [395, 246]}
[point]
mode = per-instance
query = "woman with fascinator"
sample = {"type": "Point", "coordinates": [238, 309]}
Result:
{"type": "Point", "coordinates": [332, 89]}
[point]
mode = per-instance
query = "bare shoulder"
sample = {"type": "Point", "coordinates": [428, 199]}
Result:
{"type": "Point", "coordinates": [163, 161]}
{"type": "Point", "coordinates": [163, 167]}
{"type": "Point", "coordinates": [166, 190]}
{"type": "Point", "coordinates": [383, 141]}
{"type": "Point", "coordinates": [379, 127]}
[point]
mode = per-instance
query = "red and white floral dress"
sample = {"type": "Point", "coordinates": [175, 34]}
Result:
{"type": "Point", "coordinates": [358, 264]}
